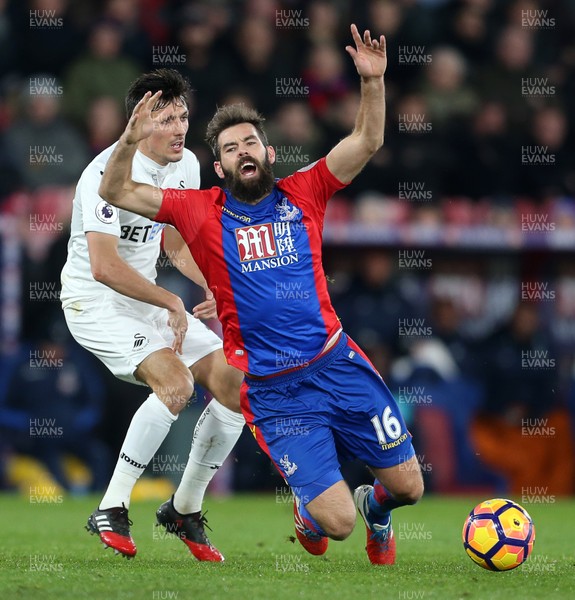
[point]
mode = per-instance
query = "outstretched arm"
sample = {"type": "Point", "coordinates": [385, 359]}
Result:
{"type": "Point", "coordinates": [117, 186]}
{"type": "Point", "coordinates": [349, 157]}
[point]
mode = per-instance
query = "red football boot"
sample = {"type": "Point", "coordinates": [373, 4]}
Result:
{"type": "Point", "coordinates": [313, 542]}
{"type": "Point", "coordinates": [190, 529]}
{"type": "Point", "coordinates": [113, 527]}
{"type": "Point", "coordinates": [380, 546]}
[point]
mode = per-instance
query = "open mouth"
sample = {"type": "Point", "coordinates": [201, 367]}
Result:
{"type": "Point", "coordinates": [177, 145]}
{"type": "Point", "coordinates": [248, 169]}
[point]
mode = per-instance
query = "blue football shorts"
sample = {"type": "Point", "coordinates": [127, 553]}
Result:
{"type": "Point", "coordinates": [313, 418]}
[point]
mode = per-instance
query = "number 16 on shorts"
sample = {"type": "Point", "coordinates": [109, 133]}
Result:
{"type": "Point", "coordinates": [388, 430]}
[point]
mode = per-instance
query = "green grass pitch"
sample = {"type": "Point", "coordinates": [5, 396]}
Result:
{"type": "Point", "coordinates": [47, 554]}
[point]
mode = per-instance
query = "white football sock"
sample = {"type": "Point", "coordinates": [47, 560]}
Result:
{"type": "Point", "coordinates": [148, 429]}
{"type": "Point", "coordinates": [215, 434]}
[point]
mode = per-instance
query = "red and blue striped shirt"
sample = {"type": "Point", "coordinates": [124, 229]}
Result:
{"type": "Point", "coordinates": [264, 264]}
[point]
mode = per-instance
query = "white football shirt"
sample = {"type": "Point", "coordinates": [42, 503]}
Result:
{"type": "Point", "coordinates": [138, 237]}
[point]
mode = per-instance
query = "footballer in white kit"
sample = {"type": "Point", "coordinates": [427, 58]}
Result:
{"type": "Point", "coordinates": [143, 333]}
{"type": "Point", "coordinates": [117, 329]}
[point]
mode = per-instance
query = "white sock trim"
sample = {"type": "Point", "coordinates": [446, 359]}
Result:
{"type": "Point", "coordinates": [157, 405]}
{"type": "Point", "coordinates": [224, 414]}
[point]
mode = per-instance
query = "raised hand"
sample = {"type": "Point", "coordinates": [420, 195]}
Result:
{"type": "Point", "coordinates": [141, 124]}
{"type": "Point", "coordinates": [368, 55]}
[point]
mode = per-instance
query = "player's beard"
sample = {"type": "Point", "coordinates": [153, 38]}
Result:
{"type": "Point", "coordinates": [253, 189]}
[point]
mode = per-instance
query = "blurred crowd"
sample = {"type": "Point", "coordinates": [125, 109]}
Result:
{"type": "Point", "coordinates": [480, 132]}
{"type": "Point", "coordinates": [473, 87]}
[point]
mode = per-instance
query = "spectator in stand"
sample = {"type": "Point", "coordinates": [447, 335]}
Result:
{"type": "Point", "coordinates": [104, 124]}
{"type": "Point", "coordinates": [45, 148]}
{"type": "Point", "coordinates": [102, 71]}
{"type": "Point", "coordinates": [403, 26]}
{"type": "Point", "coordinates": [325, 20]}
{"type": "Point", "coordinates": [446, 320]}
{"type": "Point", "coordinates": [468, 31]}
{"type": "Point", "coordinates": [449, 98]}
{"type": "Point", "coordinates": [501, 80]}
{"type": "Point", "coordinates": [136, 42]}
{"type": "Point", "coordinates": [325, 79]}
{"type": "Point", "coordinates": [479, 149]}
{"type": "Point", "coordinates": [555, 174]}
{"type": "Point", "coordinates": [550, 40]}
{"type": "Point", "coordinates": [47, 38]}
{"type": "Point", "coordinates": [155, 20]}
{"type": "Point", "coordinates": [296, 138]}
{"type": "Point", "coordinates": [415, 146]}
{"type": "Point", "coordinates": [522, 430]}
{"type": "Point", "coordinates": [206, 65]}
{"type": "Point", "coordinates": [259, 63]}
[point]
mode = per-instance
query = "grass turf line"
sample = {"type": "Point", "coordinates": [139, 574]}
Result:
{"type": "Point", "coordinates": [46, 554]}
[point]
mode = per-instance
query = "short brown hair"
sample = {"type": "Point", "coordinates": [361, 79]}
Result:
{"type": "Point", "coordinates": [228, 116]}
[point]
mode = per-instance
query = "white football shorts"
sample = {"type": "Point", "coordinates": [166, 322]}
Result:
{"type": "Point", "coordinates": [122, 332]}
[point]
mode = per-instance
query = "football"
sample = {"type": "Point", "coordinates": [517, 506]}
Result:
{"type": "Point", "coordinates": [498, 535]}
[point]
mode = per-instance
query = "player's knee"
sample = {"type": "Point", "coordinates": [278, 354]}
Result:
{"type": "Point", "coordinates": [411, 491]}
{"type": "Point", "coordinates": [230, 394]}
{"type": "Point", "coordinates": [222, 380]}
{"type": "Point", "coordinates": [339, 524]}
{"type": "Point", "coordinates": [177, 390]}
{"type": "Point", "coordinates": [229, 388]}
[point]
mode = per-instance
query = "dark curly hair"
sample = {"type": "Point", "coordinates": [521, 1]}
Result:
{"type": "Point", "coordinates": [228, 116]}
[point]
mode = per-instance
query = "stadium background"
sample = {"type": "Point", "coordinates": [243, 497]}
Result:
{"type": "Point", "coordinates": [450, 256]}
